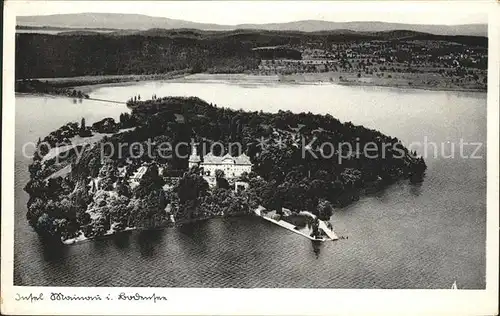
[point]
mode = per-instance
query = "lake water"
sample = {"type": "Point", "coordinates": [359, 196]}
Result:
{"type": "Point", "coordinates": [406, 236]}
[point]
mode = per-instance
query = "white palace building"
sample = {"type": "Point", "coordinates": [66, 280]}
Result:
{"type": "Point", "coordinates": [233, 167]}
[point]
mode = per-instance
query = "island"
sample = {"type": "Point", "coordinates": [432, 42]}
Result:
{"type": "Point", "coordinates": [101, 182]}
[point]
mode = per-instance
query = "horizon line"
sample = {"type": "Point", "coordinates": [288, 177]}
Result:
{"type": "Point", "coordinates": [247, 23]}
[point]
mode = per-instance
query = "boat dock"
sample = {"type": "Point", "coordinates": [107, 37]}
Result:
{"type": "Point", "coordinates": [331, 235]}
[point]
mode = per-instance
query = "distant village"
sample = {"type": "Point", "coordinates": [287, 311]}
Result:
{"type": "Point", "coordinates": [423, 62]}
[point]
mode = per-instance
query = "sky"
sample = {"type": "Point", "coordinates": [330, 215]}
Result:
{"type": "Point", "coordinates": [258, 12]}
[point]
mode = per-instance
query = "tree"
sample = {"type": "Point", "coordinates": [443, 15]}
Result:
{"type": "Point", "coordinates": [197, 67]}
{"type": "Point", "coordinates": [36, 188]}
{"type": "Point", "coordinates": [36, 207]}
{"type": "Point", "coordinates": [54, 188]}
{"type": "Point", "coordinates": [148, 211]}
{"type": "Point", "coordinates": [191, 186]}
{"type": "Point", "coordinates": [94, 167]}
{"type": "Point", "coordinates": [108, 175]}
{"type": "Point", "coordinates": [150, 181]}
{"type": "Point", "coordinates": [278, 199]}
{"type": "Point", "coordinates": [44, 150]}
{"type": "Point", "coordinates": [80, 196]}
{"type": "Point", "coordinates": [35, 168]}
{"type": "Point", "coordinates": [83, 218]}
{"type": "Point", "coordinates": [106, 125]}
{"type": "Point", "coordinates": [325, 209]}
{"type": "Point", "coordinates": [262, 191]}
{"type": "Point", "coordinates": [106, 184]}
{"type": "Point", "coordinates": [101, 226]}
{"type": "Point", "coordinates": [84, 131]}
{"type": "Point", "coordinates": [66, 228]}
{"type": "Point", "coordinates": [245, 177]}
{"type": "Point", "coordinates": [45, 226]}
{"type": "Point", "coordinates": [119, 212]}
{"type": "Point", "coordinates": [315, 229]}
{"type": "Point", "coordinates": [36, 156]}
{"type": "Point", "coordinates": [127, 120]}
{"type": "Point", "coordinates": [222, 183]}
{"type": "Point", "coordinates": [123, 188]}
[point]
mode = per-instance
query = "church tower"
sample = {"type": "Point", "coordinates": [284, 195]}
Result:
{"type": "Point", "coordinates": [194, 158]}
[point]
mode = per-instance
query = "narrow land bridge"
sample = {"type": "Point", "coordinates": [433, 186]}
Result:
{"type": "Point", "coordinates": [93, 99]}
{"type": "Point", "coordinates": [104, 100]}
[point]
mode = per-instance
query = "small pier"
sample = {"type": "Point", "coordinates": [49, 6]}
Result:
{"type": "Point", "coordinates": [331, 235]}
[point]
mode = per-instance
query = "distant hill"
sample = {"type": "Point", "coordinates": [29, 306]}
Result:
{"type": "Point", "coordinates": [270, 37]}
{"type": "Point", "coordinates": [90, 53]}
{"type": "Point", "coordinates": [315, 25]}
{"type": "Point", "coordinates": [145, 22]}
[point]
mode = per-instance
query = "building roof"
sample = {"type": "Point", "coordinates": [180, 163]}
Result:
{"type": "Point", "coordinates": [139, 173]}
{"type": "Point", "coordinates": [242, 160]}
{"type": "Point", "coordinates": [179, 118]}
{"type": "Point", "coordinates": [194, 155]}
{"type": "Point", "coordinates": [193, 158]}
{"type": "Point", "coordinates": [239, 160]}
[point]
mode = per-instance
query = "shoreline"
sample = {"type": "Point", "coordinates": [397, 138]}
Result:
{"type": "Point", "coordinates": [89, 83]}
{"type": "Point", "coordinates": [416, 87]}
{"type": "Point", "coordinates": [162, 224]}
{"type": "Point", "coordinates": [81, 238]}
{"type": "Point", "coordinates": [311, 79]}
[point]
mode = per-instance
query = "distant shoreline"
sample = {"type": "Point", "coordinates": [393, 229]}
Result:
{"type": "Point", "coordinates": [89, 83]}
{"type": "Point", "coordinates": [350, 79]}
{"type": "Point", "coordinates": [414, 81]}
